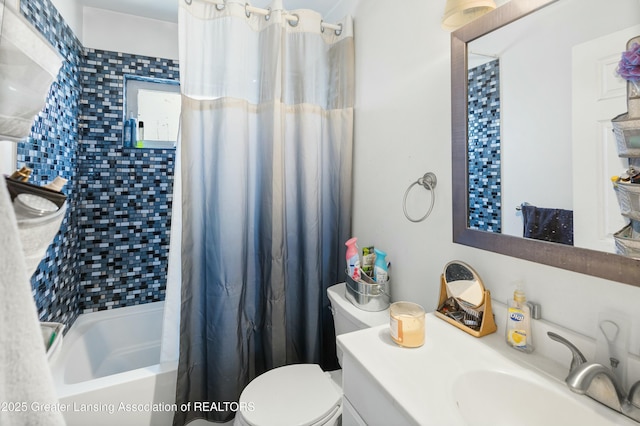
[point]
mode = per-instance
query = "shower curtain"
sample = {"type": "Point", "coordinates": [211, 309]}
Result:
{"type": "Point", "coordinates": [266, 151]}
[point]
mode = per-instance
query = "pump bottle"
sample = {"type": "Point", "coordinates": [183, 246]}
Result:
{"type": "Point", "coordinates": [518, 330]}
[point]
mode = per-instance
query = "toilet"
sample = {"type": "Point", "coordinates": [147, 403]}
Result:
{"type": "Point", "coordinates": [303, 394]}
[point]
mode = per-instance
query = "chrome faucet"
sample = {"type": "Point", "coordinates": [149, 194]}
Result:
{"type": "Point", "coordinates": [599, 382]}
{"type": "Point", "coordinates": [591, 379]}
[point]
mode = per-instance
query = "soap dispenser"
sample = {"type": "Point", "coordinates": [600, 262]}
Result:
{"type": "Point", "coordinates": [518, 331]}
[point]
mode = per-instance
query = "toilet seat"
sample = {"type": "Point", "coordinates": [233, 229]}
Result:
{"type": "Point", "coordinates": [299, 394]}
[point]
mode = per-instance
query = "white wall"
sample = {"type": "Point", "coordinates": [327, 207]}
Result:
{"type": "Point", "coordinates": [71, 11]}
{"type": "Point", "coordinates": [119, 32]}
{"type": "Point", "coordinates": [403, 129]}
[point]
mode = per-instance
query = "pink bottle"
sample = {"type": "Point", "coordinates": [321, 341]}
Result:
{"type": "Point", "coordinates": [353, 259]}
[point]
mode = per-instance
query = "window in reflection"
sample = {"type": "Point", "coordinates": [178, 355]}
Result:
{"type": "Point", "coordinates": [152, 106]}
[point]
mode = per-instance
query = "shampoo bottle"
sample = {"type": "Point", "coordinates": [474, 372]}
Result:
{"type": "Point", "coordinates": [140, 142]}
{"type": "Point", "coordinates": [380, 268]}
{"type": "Point", "coordinates": [133, 129]}
{"type": "Point", "coordinates": [353, 259]}
{"type": "Point", "coordinates": [518, 332]}
{"type": "Point", "coordinates": [128, 134]}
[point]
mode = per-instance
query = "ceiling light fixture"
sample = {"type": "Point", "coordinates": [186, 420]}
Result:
{"type": "Point", "coordinates": [460, 12]}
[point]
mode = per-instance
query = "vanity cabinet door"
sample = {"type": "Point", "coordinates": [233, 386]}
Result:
{"type": "Point", "coordinates": [350, 416]}
{"type": "Point", "coordinates": [369, 401]}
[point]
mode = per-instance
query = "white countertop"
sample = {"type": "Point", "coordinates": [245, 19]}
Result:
{"type": "Point", "coordinates": [420, 381]}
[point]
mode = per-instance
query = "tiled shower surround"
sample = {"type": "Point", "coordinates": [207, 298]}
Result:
{"type": "Point", "coordinates": [485, 187]}
{"type": "Point", "coordinates": [125, 204]}
{"type": "Point", "coordinates": [113, 245]}
{"type": "Point", "coordinates": [51, 150]}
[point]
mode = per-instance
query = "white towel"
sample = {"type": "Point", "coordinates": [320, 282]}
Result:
{"type": "Point", "coordinates": [26, 386]}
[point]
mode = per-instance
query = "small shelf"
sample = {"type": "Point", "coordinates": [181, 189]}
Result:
{"type": "Point", "coordinates": [52, 337]}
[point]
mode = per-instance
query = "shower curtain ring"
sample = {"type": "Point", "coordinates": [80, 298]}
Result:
{"type": "Point", "coordinates": [268, 15]}
{"type": "Point", "coordinates": [321, 26]}
{"type": "Point", "coordinates": [246, 10]}
{"type": "Point", "coordinates": [220, 6]}
{"type": "Point", "coordinates": [297, 21]}
{"type": "Point", "coordinates": [188, 2]}
{"type": "Point", "coordinates": [338, 32]}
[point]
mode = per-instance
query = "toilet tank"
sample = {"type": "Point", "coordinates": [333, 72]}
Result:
{"type": "Point", "coordinates": [347, 317]}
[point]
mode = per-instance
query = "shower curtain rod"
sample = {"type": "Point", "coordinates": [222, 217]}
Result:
{"type": "Point", "coordinates": [292, 19]}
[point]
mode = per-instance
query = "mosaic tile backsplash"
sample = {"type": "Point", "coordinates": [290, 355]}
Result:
{"type": "Point", "coordinates": [485, 190]}
{"type": "Point", "coordinates": [113, 245]}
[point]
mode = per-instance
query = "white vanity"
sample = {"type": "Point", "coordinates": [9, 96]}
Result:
{"type": "Point", "coordinates": [458, 379]}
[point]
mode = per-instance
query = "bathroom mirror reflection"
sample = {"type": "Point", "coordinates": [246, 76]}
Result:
{"type": "Point", "coordinates": [462, 282]}
{"type": "Point", "coordinates": [457, 271]}
{"type": "Point", "coordinates": [553, 153]}
{"type": "Point", "coordinates": [542, 92]}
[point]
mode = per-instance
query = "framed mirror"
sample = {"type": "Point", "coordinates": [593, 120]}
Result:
{"type": "Point", "coordinates": [467, 44]}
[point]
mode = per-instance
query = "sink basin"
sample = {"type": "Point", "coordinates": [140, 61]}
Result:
{"type": "Point", "coordinates": [455, 379]}
{"type": "Point", "coordinates": [498, 398]}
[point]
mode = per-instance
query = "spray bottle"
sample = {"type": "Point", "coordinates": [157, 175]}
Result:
{"type": "Point", "coordinates": [353, 259]}
{"type": "Point", "coordinates": [380, 268]}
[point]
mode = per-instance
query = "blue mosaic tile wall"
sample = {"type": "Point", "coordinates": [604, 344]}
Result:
{"type": "Point", "coordinates": [484, 148]}
{"type": "Point", "coordinates": [112, 248]}
{"type": "Point", "coordinates": [125, 211]}
{"type": "Point", "coordinates": [51, 150]}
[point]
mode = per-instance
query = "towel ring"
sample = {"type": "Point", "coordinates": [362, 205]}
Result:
{"type": "Point", "coordinates": [429, 182]}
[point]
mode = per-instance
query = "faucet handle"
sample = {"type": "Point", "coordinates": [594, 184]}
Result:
{"type": "Point", "coordinates": [535, 310]}
{"type": "Point", "coordinates": [578, 358]}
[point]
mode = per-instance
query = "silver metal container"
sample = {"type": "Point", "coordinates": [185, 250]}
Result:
{"type": "Point", "coordinates": [628, 195]}
{"type": "Point", "coordinates": [626, 244]}
{"type": "Point", "coordinates": [368, 296]}
{"type": "Point", "coordinates": [626, 129]}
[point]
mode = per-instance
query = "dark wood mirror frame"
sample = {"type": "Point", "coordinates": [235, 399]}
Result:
{"type": "Point", "coordinates": [590, 262]}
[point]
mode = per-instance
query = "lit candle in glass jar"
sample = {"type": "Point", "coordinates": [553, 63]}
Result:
{"type": "Point", "coordinates": [407, 324]}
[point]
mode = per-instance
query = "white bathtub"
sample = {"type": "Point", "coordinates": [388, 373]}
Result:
{"type": "Point", "coordinates": [108, 370]}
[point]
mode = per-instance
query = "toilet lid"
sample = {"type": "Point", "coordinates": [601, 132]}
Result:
{"type": "Point", "coordinates": [299, 394]}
